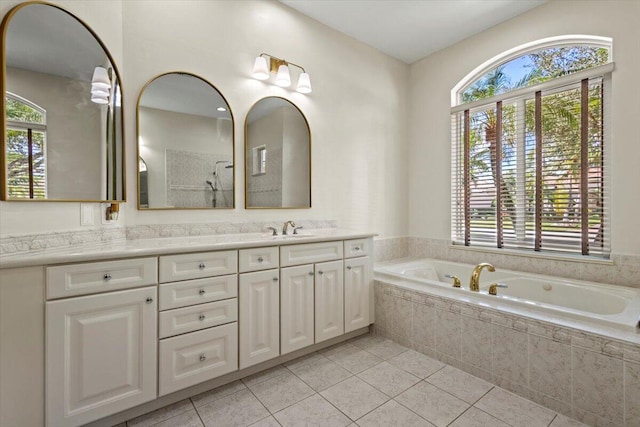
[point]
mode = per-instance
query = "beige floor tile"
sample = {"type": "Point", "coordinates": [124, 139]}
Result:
{"type": "Point", "coordinates": [435, 405]}
{"type": "Point", "coordinates": [266, 422]}
{"type": "Point", "coordinates": [320, 374]}
{"type": "Point", "coordinates": [312, 411]}
{"type": "Point", "coordinates": [217, 393]}
{"type": "Point", "coordinates": [514, 410]}
{"type": "Point", "coordinates": [265, 375]}
{"type": "Point", "coordinates": [366, 341]}
{"type": "Point", "coordinates": [239, 409]}
{"type": "Point", "coordinates": [304, 360]}
{"type": "Point", "coordinates": [388, 379]}
{"type": "Point", "coordinates": [476, 418]}
{"type": "Point", "coordinates": [352, 358]}
{"type": "Point", "coordinates": [416, 363]}
{"type": "Point", "coordinates": [562, 421]}
{"type": "Point", "coordinates": [459, 383]}
{"type": "Point", "coordinates": [387, 349]}
{"type": "Point", "coordinates": [282, 391]}
{"type": "Point", "coordinates": [354, 397]}
{"type": "Point", "coordinates": [186, 419]}
{"type": "Point", "coordinates": [161, 414]}
{"type": "Point", "coordinates": [392, 414]}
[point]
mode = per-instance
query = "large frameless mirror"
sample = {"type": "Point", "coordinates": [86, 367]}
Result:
{"type": "Point", "coordinates": [185, 145]}
{"type": "Point", "coordinates": [277, 156]}
{"type": "Point", "coordinates": [62, 128]}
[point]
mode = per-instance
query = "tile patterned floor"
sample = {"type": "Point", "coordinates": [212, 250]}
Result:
{"type": "Point", "coordinates": [367, 382]}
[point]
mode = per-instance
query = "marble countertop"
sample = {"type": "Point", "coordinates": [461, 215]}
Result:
{"type": "Point", "coordinates": [171, 245]}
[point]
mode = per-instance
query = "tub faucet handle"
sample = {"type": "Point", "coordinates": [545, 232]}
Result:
{"type": "Point", "coordinates": [493, 288]}
{"type": "Point", "coordinates": [456, 280]}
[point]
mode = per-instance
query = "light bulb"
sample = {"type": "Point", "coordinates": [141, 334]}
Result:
{"type": "Point", "coordinates": [260, 69]}
{"type": "Point", "coordinates": [304, 83]}
{"type": "Point", "coordinates": [283, 79]}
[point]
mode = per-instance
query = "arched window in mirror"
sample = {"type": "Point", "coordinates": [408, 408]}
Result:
{"type": "Point", "coordinates": [25, 138]}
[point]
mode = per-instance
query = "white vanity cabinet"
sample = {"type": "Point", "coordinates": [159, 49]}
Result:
{"type": "Point", "coordinates": [329, 294]}
{"type": "Point", "coordinates": [198, 327]}
{"type": "Point", "coordinates": [297, 307]}
{"type": "Point", "coordinates": [357, 279]}
{"type": "Point", "coordinates": [101, 355]}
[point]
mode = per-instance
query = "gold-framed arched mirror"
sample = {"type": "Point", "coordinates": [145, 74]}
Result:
{"type": "Point", "coordinates": [62, 135]}
{"type": "Point", "coordinates": [277, 156]}
{"type": "Point", "coordinates": [185, 145]}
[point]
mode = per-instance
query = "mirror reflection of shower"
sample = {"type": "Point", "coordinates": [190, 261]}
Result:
{"type": "Point", "coordinates": [216, 185]}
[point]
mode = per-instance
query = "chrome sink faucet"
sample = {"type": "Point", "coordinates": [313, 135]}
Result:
{"type": "Point", "coordinates": [286, 226]}
{"type": "Point", "coordinates": [474, 284]}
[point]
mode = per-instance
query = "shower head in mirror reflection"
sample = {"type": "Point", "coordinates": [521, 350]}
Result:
{"type": "Point", "coordinates": [262, 69]}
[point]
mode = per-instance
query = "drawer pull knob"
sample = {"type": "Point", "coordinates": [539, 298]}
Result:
{"type": "Point", "coordinates": [275, 279]}
{"type": "Point", "coordinates": [260, 259]}
{"type": "Point", "coordinates": [201, 317]}
{"type": "Point", "coordinates": [357, 248]}
{"type": "Point", "coordinates": [201, 266]}
{"type": "Point", "coordinates": [149, 300]}
{"type": "Point", "coordinates": [201, 291]}
{"type": "Point", "coordinates": [321, 272]}
{"type": "Point", "coordinates": [107, 276]}
{"type": "Point", "coordinates": [311, 273]}
{"type": "Point", "coordinates": [348, 267]}
{"type": "Point", "coordinates": [203, 357]}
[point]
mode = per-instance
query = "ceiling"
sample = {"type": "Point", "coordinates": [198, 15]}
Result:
{"type": "Point", "coordinates": [409, 30]}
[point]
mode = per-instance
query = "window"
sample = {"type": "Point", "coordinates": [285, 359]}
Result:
{"type": "Point", "coordinates": [528, 151]}
{"type": "Point", "coordinates": [25, 145]}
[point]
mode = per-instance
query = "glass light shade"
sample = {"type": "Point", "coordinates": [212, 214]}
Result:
{"type": "Point", "coordinates": [283, 79]}
{"type": "Point", "coordinates": [101, 78]}
{"type": "Point", "coordinates": [260, 69]}
{"type": "Point", "coordinates": [304, 83]}
{"type": "Point", "coordinates": [99, 99]}
{"type": "Point", "coordinates": [99, 90]}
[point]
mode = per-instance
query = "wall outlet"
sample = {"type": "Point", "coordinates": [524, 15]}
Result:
{"type": "Point", "coordinates": [86, 214]}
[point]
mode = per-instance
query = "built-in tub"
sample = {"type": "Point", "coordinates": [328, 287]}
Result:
{"type": "Point", "coordinates": [608, 305]}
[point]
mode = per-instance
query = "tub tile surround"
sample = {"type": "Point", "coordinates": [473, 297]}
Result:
{"type": "Point", "coordinates": [623, 270]}
{"type": "Point", "coordinates": [585, 376]}
{"type": "Point", "coordinates": [24, 244]}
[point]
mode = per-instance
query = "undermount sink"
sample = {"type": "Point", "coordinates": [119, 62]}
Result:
{"type": "Point", "coordinates": [289, 236]}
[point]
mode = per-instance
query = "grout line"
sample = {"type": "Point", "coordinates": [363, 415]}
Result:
{"type": "Point", "coordinates": [552, 420]}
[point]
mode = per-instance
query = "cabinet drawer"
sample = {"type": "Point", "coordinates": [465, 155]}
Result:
{"type": "Point", "coordinates": [196, 357]}
{"type": "Point", "coordinates": [258, 259]}
{"type": "Point", "coordinates": [90, 278]}
{"type": "Point", "coordinates": [309, 253]}
{"type": "Point", "coordinates": [189, 319]}
{"type": "Point", "coordinates": [198, 291]}
{"type": "Point", "coordinates": [357, 247]}
{"type": "Point", "coordinates": [196, 266]}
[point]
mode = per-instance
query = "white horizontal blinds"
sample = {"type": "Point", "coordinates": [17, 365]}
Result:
{"type": "Point", "coordinates": [26, 163]}
{"type": "Point", "coordinates": [536, 177]}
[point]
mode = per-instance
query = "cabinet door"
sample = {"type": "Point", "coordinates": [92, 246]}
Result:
{"type": "Point", "coordinates": [329, 300]}
{"type": "Point", "coordinates": [101, 355]}
{"type": "Point", "coordinates": [356, 293]}
{"type": "Point", "coordinates": [259, 317]}
{"type": "Point", "coordinates": [296, 307]}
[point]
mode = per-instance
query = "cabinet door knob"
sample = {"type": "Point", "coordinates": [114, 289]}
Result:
{"type": "Point", "coordinates": [260, 259]}
{"type": "Point", "coordinates": [107, 276]}
{"type": "Point", "coordinates": [149, 300]}
{"type": "Point", "coordinates": [201, 291]}
{"type": "Point", "coordinates": [275, 279]}
{"type": "Point", "coordinates": [348, 267]}
{"type": "Point", "coordinates": [203, 357]}
{"type": "Point", "coordinates": [357, 248]}
{"type": "Point", "coordinates": [311, 273]}
{"type": "Point", "coordinates": [321, 272]}
{"type": "Point", "coordinates": [201, 317]}
{"type": "Point", "coordinates": [201, 266]}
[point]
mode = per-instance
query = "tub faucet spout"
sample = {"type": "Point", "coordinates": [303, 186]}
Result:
{"type": "Point", "coordinates": [474, 284]}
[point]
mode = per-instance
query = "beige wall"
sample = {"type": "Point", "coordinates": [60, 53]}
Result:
{"type": "Point", "coordinates": [357, 112]}
{"type": "Point", "coordinates": [433, 78]}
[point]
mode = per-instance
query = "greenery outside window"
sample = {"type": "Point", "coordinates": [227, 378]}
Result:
{"type": "Point", "coordinates": [25, 148]}
{"type": "Point", "coordinates": [529, 143]}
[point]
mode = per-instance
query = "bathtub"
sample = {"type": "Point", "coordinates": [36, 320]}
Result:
{"type": "Point", "coordinates": [529, 294]}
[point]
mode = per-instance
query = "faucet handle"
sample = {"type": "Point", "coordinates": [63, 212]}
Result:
{"type": "Point", "coordinates": [295, 229]}
{"type": "Point", "coordinates": [456, 280]}
{"type": "Point", "coordinates": [274, 232]}
{"type": "Point", "coordinates": [493, 288]}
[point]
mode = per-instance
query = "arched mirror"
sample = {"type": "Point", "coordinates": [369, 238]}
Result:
{"type": "Point", "coordinates": [185, 145]}
{"type": "Point", "coordinates": [62, 128]}
{"type": "Point", "coordinates": [278, 156]}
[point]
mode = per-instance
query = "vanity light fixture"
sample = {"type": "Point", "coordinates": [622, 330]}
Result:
{"type": "Point", "coordinates": [100, 86]}
{"type": "Point", "coordinates": [262, 69]}
{"type": "Point", "coordinates": [221, 109]}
